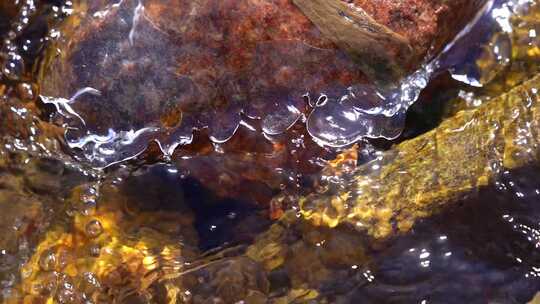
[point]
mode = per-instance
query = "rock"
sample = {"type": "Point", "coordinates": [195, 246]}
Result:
{"type": "Point", "coordinates": [308, 258]}
{"type": "Point", "coordinates": [430, 172]}
{"type": "Point", "coordinates": [32, 194]}
{"type": "Point", "coordinates": [390, 38]}
{"type": "Point", "coordinates": [229, 281]}
{"type": "Point", "coordinates": [112, 251]}
{"type": "Point", "coordinates": [8, 10]}
{"type": "Point", "coordinates": [141, 70]}
{"type": "Point", "coordinates": [536, 299]}
{"type": "Point", "coordinates": [154, 63]}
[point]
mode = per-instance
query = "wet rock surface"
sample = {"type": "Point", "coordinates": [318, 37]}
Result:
{"type": "Point", "coordinates": [498, 134]}
{"type": "Point", "coordinates": [390, 38]}
{"type": "Point", "coordinates": [427, 24]}
{"type": "Point", "coordinates": [147, 70]}
{"type": "Point", "coordinates": [130, 73]}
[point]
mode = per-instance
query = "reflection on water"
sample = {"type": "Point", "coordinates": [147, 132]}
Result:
{"type": "Point", "coordinates": [483, 250]}
{"type": "Point", "coordinates": [249, 218]}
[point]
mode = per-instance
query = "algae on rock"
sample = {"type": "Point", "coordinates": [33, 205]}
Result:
{"type": "Point", "coordinates": [422, 175]}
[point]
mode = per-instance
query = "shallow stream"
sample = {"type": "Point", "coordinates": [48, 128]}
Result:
{"type": "Point", "coordinates": [426, 191]}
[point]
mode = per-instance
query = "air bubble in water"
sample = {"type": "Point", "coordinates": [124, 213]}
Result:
{"type": "Point", "coordinates": [13, 66]}
{"type": "Point", "coordinates": [280, 117]}
{"type": "Point", "coordinates": [360, 112]}
{"type": "Point", "coordinates": [95, 250]}
{"type": "Point", "coordinates": [47, 261]}
{"type": "Point", "coordinates": [93, 229]}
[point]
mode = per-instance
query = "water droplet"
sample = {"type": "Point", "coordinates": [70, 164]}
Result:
{"type": "Point", "coordinates": [95, 250]}
{"type": "Point", "coordinates": [93, 229]}
{"type": "Point", "coordinates": [360, 112]}
{"type": "Point", "coordinates": [13, 66]}
{"type": "Point", "coordinates": [47, 261]}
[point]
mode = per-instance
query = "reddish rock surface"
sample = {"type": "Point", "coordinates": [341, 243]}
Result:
{"type": "Point", "coordinates": [389, 39]}
{"type": "Point", "coordinates": [152, 60]}
{"type": "Point", "coordinates": [195, 57]}
{"type": "Point", "coordinates": [169, 63]}
{"type": "Point", "coordinates": [428, 24]}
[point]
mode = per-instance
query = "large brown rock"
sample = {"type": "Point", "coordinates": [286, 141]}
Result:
{"type": "Point", "coordinates": [152, 60]}
{"type": "Point", "coordinates": [174, 64]}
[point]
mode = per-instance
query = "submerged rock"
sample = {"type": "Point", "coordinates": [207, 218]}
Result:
{"type": "Point", "coordinates": [118, 251]}
{"type": "Point", "coordinates": [32, 193]}
{"type": "Point", "coordinates": [421, 176]}
{"type": "Point", "coordinates": [108, 251]}
{"type": "Point", "coordinates": [133, 71]}
{"type": "Point", "coordinates": [140, 67]}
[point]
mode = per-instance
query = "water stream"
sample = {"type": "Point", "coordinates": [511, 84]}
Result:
{"type": "Point", "coordinates": [122, 181]}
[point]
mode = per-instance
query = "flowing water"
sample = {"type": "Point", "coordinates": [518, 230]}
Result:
{"type": "Point", "coordinates": [116, 194]}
